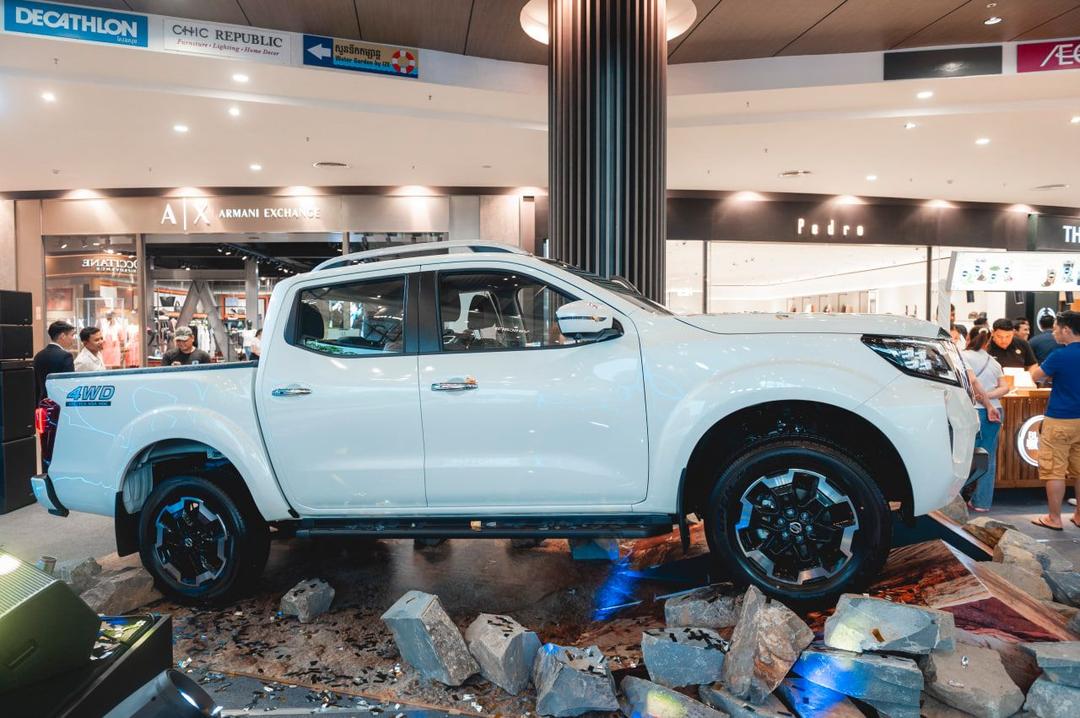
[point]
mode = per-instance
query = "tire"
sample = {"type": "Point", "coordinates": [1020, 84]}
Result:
{"type": "Point", "coordinates": [200, 544]}
{"type": "Point", "coordinates": [784, 489]}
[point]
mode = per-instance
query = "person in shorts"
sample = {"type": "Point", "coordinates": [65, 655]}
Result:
{"type": "Point", "coordinates": [1059, 439]}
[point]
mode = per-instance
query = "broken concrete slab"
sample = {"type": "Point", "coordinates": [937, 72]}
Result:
{"type": "Point", "coordinates": [572, 681]}
{"type": "Point", "coordinates": [809, 700]}
{"type": "Point", "coordinates": [866, 676]}
{"type": "Point", "coordinates": [1066, 612]}
{"type": "Point", "coordinates": [645, 699]}
{"type": "Point", "coordinates": [678, 657]}
{"type": "Point", "coordinates": [862, 623]}
{"type": "Point", "coordinates": [505, 650]}
{"type": "Point", "coordinates": [1074, 625]}
{"type": "Point", "coordinates": [721, 699]}
{"type": "Point", "coordinates": [1019, 548]}
{"type": "Point", "coordinates": [933, 708]}
{"type": "Point", "coordinates": [709, 607]}
{"type": "Point", "coordinates": [307, 599]}
{"type": "Point", "coordinates": [1021, 576]}
{"type": "Point", "coordinates": [1060, 662]}
{"type": "Point", "coordinates": [79, 573]}
{"type": "Point", "coordinates": [116, 593]}
{"type": "Point", "coordinates": [1048, 699]}
{"type": "Point", "coordinates": [1019, 663]}
{"type": "Point", "coordinates": [428, 640]}
{"type": "Point", "coordinates": [973, 680]}
{"type": "Point", "coordinates": [988, 530]}
{"type": "Point", "coordinates": [893, 710]}
{"type": "Point", "coordinates": [1065, 585]}
{"type": "Point", "coordinates": [767, 641]}
{"type": "Point", "coordinates": [956, 510]}
{"type": "Point", "coordinates": [599, 549]}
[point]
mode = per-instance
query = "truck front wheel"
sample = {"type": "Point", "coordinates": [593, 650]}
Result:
{"type": "Point", "coordinates": [200, 544]}
{"type": "Point", "coordinates": [800, 519]}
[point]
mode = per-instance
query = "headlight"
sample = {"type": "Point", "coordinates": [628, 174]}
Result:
{"type": "Point", "coordinates": [926, 358]}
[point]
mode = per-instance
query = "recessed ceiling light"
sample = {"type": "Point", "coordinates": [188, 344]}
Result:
{"type": "Point", "coordinates": [925, 94]}
{"type": "Point", "coordinates": [180, 128]}
{"type": "Point", "coordinates": [983, 141]}
{"type": "Point", "coordinates": [871, 178]}
{"type": "Point", "coordinates": [910, 125]}
{"type": "Point", "coordinates": [48, 97]}
{"type": "Point", "coordinates": [240, 77]}
{"type": "Point", "coordinates": [331, 165]}
{"type": "Point", "coordinates": [255, 167]}
{"type": "Point", "coordinates": [234, 111]}
{"type": "Point", "coordinates": [795, 173]}
{"type": "Point", "coordinates": [1075, 120]}
{"type": "Point", "coordinates": [992, 20]}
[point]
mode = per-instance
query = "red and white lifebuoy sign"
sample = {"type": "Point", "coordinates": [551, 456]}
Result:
{"type": "Point", "coordinates": [1045, 56]}
{"type": "Point", "coordinates": [404, 62]}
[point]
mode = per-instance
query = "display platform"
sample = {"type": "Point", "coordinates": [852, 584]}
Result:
{"type": "Point", "coordinates": [1017, 456]}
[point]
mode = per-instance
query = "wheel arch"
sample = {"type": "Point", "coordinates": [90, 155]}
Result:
{"type": "Point", "coordinates": [749, 426]}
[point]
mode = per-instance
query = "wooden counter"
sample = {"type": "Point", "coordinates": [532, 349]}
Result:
{"type": "Point", "coordinates": [1012, 471]}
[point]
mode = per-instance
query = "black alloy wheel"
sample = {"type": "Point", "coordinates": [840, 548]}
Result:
{"type": "Point", "coordinates": [198, 543]}
{"type": "Point", "coordinates": [800, 519]}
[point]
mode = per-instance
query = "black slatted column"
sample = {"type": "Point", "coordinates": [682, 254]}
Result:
{"type": "Point", "coordinates": [607, 110]}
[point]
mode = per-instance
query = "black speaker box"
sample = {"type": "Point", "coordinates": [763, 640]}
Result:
{"type": "Point", "coordinates": [16, 403]}
{"type": "Point", "coordinates": [15, 307]}
{"type": "Point", "coordinates": [18, 461]}
{"type": "Point", "coordinates": [16, 341]}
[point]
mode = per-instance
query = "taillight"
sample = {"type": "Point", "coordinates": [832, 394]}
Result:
{"type": "Point", "coordinates": [46, 418]}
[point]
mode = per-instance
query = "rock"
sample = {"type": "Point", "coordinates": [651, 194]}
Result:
{"type": "Point", "coordinates": [718, 697]}
{"type": "Point", "coordinates": [1048, 699]}
{"type": "Point", "coordinates": [987, 530]}
{"type": "Point", "coordinates": [1060, 662]}
{"type": "Point", "coordinates": [889, 680]}
{"type": "Point", "coordinates": [307, 599]}
{"type": "Point", "coordinates": [656, 550]}
{"type": "Point", "coordinates": [1074, 625]}
{"type": "Point", "coordinates": [766, 643]}
{"type": "Point", "coordinates": [504, 649]}
{"type": "Point", "coordinates": [1019, 663]}
{"type": "Point", "coordinates": [116, 593]}
{"type": "Point", "coordinates": [956, 510]}
{"type": "Point", "coordinates": [79, 573]}
{"type": "Point", "coordinates": [523, 543]}
{"type": "Point", "coordinates": [708, 607]}
{"type": "Point", "coordinates": [809, 700]}
{"type": "Point", "coordinates": [420, 544]}
{"type": "Point", "coordinates": [973, 680]}
{"type": "Point", "coordinates": [1021, 576]}
{"type": "Point", "coordinates": [572, 681]}
{"type": "Point", "coordinates": [1065, 585]}
{"type": "Point", "coordinates": [428, 640]}
{"type": "Point", "coordinates": [678, 657]}
{"type": "Point", "coordinates": [893, 710]}
{"type": "Point", "coordinates": [1066, 612]}
{"type": "Point", "coordinates": [644, 699]}
{"type": "Point", "coordinates": [861, 623]}
{"type": "Point", "coordinates": [1019, 548]}
{"type": "Point", "coordinates": [933, 708]}
{"type": "Point", "coordinates": [601, 549]}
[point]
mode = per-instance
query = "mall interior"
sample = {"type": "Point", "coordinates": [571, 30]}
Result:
{"type": "Point", "coordinates": [695, 187]}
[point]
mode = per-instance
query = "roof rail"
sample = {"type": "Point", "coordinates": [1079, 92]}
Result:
{"type": "Point", "coordinates": [388, 253]}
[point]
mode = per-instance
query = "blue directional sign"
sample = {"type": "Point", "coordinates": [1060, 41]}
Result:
{"type": "Point", "coordinates": [318, 50]}
{"type": "Point", "coordinates": [357, 56]}
{"type": "Point", "coordinates": [76, 23]}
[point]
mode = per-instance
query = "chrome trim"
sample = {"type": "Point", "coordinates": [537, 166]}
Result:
{"type": "Point", "coordinates": [422, 248]}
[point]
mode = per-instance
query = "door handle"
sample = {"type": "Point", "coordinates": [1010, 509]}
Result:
{"type": "Point", "coordinates": [291, 390]}
{"type": "Point", "coordinates": [466, 384]}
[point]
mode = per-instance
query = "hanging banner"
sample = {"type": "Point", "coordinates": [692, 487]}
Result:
{"type": "Point", "coordinates": [237, 42]}
{"type": "Point", "coordinates": [1016, 272]}
{"type": "Point", "coordinates": [333, 52]}
{"type": "Point", "coordinates": [76, 23]}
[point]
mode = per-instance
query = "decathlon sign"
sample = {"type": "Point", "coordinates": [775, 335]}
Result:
{"type": "Point", "coordinates": [76, 23]}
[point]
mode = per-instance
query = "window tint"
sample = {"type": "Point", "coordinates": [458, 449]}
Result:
{"type": "Point", "coordinates": [485, 311]}
{"type": "Point", "coordinates": [354, 319]}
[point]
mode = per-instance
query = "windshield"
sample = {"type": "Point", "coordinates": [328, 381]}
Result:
{"type": "Point", "coordinates": [616, 285]}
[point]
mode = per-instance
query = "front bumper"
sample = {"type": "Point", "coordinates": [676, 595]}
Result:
{"type": "Point", "coordinates": [46, 495]}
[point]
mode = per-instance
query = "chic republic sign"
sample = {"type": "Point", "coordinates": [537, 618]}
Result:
{"type": "Point", "coordinates": [195, 37]}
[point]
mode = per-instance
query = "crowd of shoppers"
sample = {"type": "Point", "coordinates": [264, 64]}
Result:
{"type": "Point", "coordinates": [990, 378]}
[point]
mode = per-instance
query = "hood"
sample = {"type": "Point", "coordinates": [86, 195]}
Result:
{"type": "Point", "coordinates": [784, 323]}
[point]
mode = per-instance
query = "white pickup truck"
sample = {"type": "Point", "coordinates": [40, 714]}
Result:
{"type": "Point", "coordinates": [469, 390]}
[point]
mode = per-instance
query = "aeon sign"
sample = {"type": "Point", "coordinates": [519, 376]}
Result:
{"type": "Point", "coordinates": [1044, 56]}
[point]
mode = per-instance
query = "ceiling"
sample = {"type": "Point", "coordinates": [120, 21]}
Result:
{"type": "Point", "coordinates": [724, 29]}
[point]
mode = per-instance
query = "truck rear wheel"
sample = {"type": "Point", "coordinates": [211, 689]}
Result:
{"type": "Point", "coordinates": [200, 544]}
{"type": "Point", "coordinates": [800, 519]}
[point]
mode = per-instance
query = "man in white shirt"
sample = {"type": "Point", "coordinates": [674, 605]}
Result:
{"type": "Point", "coordinates": [89, 358]}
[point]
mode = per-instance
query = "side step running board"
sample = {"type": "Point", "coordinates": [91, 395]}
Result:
{"type": "Point", "coordinates": [595, 526]}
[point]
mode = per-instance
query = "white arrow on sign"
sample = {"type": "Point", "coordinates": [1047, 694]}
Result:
{"type": "Point", "coordinates": [320, 52]}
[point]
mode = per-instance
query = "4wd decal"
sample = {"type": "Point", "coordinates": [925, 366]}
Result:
{"type": "Point", "coordinates": [93, 395]}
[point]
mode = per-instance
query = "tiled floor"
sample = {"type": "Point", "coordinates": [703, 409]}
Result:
{"type": "Point", "coordinates": [1020, 506]}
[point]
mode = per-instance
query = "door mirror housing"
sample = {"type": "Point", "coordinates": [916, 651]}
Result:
{"type": "Point", "coordinates": [588, 321]}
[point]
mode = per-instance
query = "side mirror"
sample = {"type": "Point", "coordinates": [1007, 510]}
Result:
{"type": "Point", "coordinates": [586, 320]}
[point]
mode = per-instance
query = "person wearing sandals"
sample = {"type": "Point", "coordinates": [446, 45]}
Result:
{"type": "Point", "coordinates": [991, 378]}
{"type": "Point", "coordinates": [1059, 439]}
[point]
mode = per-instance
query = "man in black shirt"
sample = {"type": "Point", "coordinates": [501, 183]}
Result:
{"type": "Point", "coordinates": [55, 357]}
{"type": "Point", "coordinates": [1043, 343]}
{"type": "Point", "coordinates": [1010, 350]}
{"type": "Point", "coordinates": [185, 352]}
